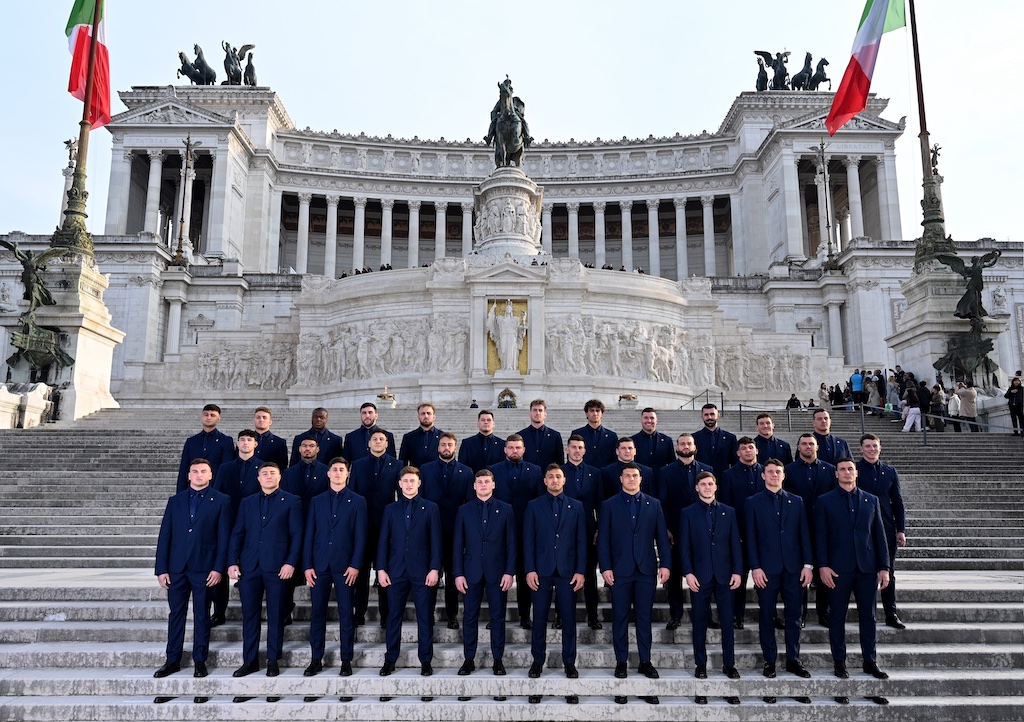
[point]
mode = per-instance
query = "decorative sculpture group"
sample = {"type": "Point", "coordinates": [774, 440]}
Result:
{"type": "Point", "coordinates": [804, 80]}
{"type": "Point", "coordinates": [200, 72]}
{"type": "Point", "coordinates": [508, 130]}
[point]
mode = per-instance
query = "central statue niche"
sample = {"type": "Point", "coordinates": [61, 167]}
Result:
{"type": "Point", "coordinates": [507, 327]}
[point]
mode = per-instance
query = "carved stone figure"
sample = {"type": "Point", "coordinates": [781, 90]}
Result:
{"type": "Point", "coordinates": [36, 292]}
{"type": "Point", "coordinates": [970, 306]}
{"type": "Point", "coordinates": [777, 64]}
{"type": "Point", "coordinates": [233, 62]}
{"type": "Point", "coordinates": [207, 75]}
{"type": "Point", "coordinates": [508, 332]}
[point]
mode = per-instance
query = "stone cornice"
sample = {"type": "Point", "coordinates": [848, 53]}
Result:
{"type": "Point", "coordinates": [242, 98]}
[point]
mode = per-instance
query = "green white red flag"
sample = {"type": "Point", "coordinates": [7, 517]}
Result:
{"type": "Point", "coordinates": [879, 17]}
{"type": "Point", "coordinates": [80, 32]}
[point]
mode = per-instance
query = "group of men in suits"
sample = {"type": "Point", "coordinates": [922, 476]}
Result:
{"type": "Point", "coordinates": [707, 516]}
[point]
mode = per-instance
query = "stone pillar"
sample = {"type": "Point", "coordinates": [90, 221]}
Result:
{"type": "Point", "coordinates": [739, 260]}
{"type": "Point", "coordinates": [117, 193]}
{"type": "Point", "coordinates": [627, 234]}
{"type": "Point", "coordinates": [852, 163]}
{"type": "Point", "coordinates": [653, 240]}
{"type": "Point", "coordinates": [682, 260]}
{"type": "Point", "coordinates": [883, 199]}
{"type": "Point", "coordinates": [217, 209]}
{"type": "Point", "coordinates": [841, 226]}
{"type": "Point", "coordinates": [574, 229]}
{"type": "Point", "coordinates": [274, 239]}
{"type": "Point", "coordinates": [710, 263]}
{"type": "Point", "coordinates": [188, 178]}
{"type": "Point", "coordinates": [835, 330]}
{"type": "Point", "coordinates": [387, 206]}
{"type": "Point", "coordinates": [794, 200]}
{"type": "Point", "coordinates": [545, 224]}
{"type": "Point", "coordinates": [599, 246]}
{"type": "Point", "coordinates": [69, 177]}
{"type": "Point", "coordinates": [302, 240]}
{"type": "Point", "coordinates": [467, 228]}
{"type": "Point", "coordinates": [359, 234]}
{"type": "Point", "coordinates": [331, 238]}
{"type": "Point", "coordinates": [156, 169]}
{"type": "Point", "coordinates": [173, 347]}
{"type": "Point", "coordinates": [440, 228]}
{"type": "Point", "coordinates": [819, 182]}
{"type": "Point", "coordinates": [414, 234]}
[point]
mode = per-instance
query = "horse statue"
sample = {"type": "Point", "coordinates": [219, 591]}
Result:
{"type": "Point", "coordinates": [233, 62]}
{"type": "Point", "coordinates": [799, 81]}
{"type": "Point", "coordinates": [778, 65]}
{"type": "Point", "coordinates": [208, 76]}
{"type": "Point", "coordinates": [189, 70]}
{"type": "Point", "coordinates": [819, 76]}
{"type": "Point", "coordinates": [762, 76]}
{"type": "Point", "coordinates": [249, 76]}
{"type": "Point", "coordinates": [508, 130]}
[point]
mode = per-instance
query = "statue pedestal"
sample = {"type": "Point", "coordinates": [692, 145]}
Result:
{"type": "Point", "coordinates": [508, 211]}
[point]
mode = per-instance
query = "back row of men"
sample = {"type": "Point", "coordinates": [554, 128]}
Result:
{"type": "Point", "coordinates": [377, 478]}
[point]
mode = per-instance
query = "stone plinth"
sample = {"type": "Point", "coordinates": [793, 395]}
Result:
{"type": "Point", "coordinates": [508, 207]}
{"type": "Point", "coordinates": [9, 406]}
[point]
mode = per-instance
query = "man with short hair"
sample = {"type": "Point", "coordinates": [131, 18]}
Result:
{"type": "Point", "coordinates": [191, 556]}
{"type": "Point", "coordinates": [357, 442]}
{"type": "Point", "coordinates": [210, 444]}
{"type": "Point", "coordinates": [857, 387]}
{"type": "Point", "coordinates": [716, 447]}
{"type": "Point", "coordinates": [853, 558]}
{"type": "Point", "coordinates": [484, 448]}
{"type": "Point", "coordinates": [625, 453]}
{"type": "Point", "coordinates": [554, 552]}
{"type": "Point", "coordinates": [484, 562]}
{"type": "Point", "coordinates": [882, 480]}
{"type": "Point", "coordinates": [448, 484]}
{"type": "Point", "coordinates": [584, 483]}
{"type": "Point", "coordinates": [518, 482]}
{"type": "Point", "coordinates": [269, 447]}
{"type": "Point", "coordinates": [328, 443]}
{"type": "Point", "coordinates": [600, 441]}
{"type": "Point", "coordinates": [739, 482]}
{"type": "Point", "coordinates": [631, 528]}
{"type": "Point", "coordinates": [420, 445]}
{"type": "Point", "coordinates": [653, 448]}
{"type": "Point", "coordinates": [305, 479]}
{"type": "Point", "coordinates": [769, 446]}
{"type": "Point", "coordinates": [543, 444]}
{"type": "Point", "coordinates": [830, 447]}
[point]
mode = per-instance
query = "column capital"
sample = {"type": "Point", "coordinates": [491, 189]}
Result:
{"type": "Point", "coordinates": [626, 206]}
{"type": "Point", "coordinates": [679, 203]}
{"type": "Point", "coordinates": [157, 155]}
{"type": "Point", "coordinates": [359, 202]}
{"type": "Point", "coordinates": [707, 201]}
{"type": "Point", "coordinates": [546, 207]}
{"type": "Point", "coordinates": [440, 206]}
{"type": "Point", "coordinates": [653, 204]}
{"type": "Point", "coordinates": [599, 206]}
{"type": "Point", "coordinates": [305, 198]}
{"type": "Point", "coordinates": [332, 199]}
{"type": "Point", "coordinates": [852, 161]}
{"type": "Point", "coordinates": [573, 207]}
{"type": "Point", "coordinates": [387, 204]}
{"type": "Point", "coordinates": [414, 206]}
{"type": "Point", "coordinates": [467, 206]}
{"type": "Point", "coordinates": [129, 155]}
{"type": "Point", "coordinates": [878, 160]}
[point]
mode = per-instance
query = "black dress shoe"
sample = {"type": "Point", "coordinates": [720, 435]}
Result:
{"type": "Point", "coordinates": [239, 700]}
{"type": "Point", "coordinates": [344, 698]}
{"type": "Point", "coordinates": [779, 623]}
{"type": "Point", "coordinates": [647, 669]}
{"type": "Point", "coordinates": [467, 667]}
{"type": "Point", "coordinates": [200, 700]}
{"type": "Point", "coordinates": [387, 668]}
{"type": "Point", "coordinates": [426, 699]}
{"type": "Point", "coordinates": [426, 670]}
{"type": "Point", "coordinates": [162, 700]}
{"type": "Point", "coordinates": [557, 624]}
{"type": "Point", "coordinates": [842, 700]}
{"type": "Point", "coordinates": [315, 667]}
{"type": "Point", "coordinates": [732, 700]}
{"type": "Point", "coordinates": [216, 620]}
{"type": "Point", "coordinates": [572, 699]}
{"type": "Point", "coordinates": [620, 670]}
{"type": "Point", "coordinates": [346, 669]}
{"type": "Point", "coordinates": [199, 670]}
{"type": "Point", "coordinates": [465, 699]}
{"type": "Point", "coordinates": [673, 624]}
{"type": "Point", "coordinates": [768, 670]}
{"type": "Point", "coordinates": [498, 668]}
{"type": "Point", "coordinates": [571, 672]}
{"type": "Point", "coordinates": [803, 700]}
{"type": "Point", "coordinates": [246, 669]}
{"type": "Point", "coordinates": [701, 672]}
{"type": "Point", "coordinates": [839, 669]}
{"type": "Point", "coordinates": [620, 699]}
{"type": "Point", "coordinates": [769, 700]}
{"type": "Point", "coordinates": [453, 624]}
{"type": "Point", "coordinates": [737, 624]}
{"type": "Point", "coordinates": [712, 624]}
{"type": "Point", "coordinates": [167, 668]}
{"type": "Point", "coordinates": [879, 700]}
{"type": "Point", "coordinates": [700, 699]}
{"type": "Point", "coordinates": [310, 699]}
{"type": "Point", "coordinates": [386, 699]}
{"type": "Point", "coordinates": [500, 698]}
{"type": "Point", "coordinates": [823, 620]}
{"type": "Point", "coordinates": [272, 669]}
{"type": "Point", "coordinates": [651, 699]}
{"type": "Point", "coordinates": [872, 669]}
{"type": "Point", "coordinates": [359, 621]}
{"type": "Point", "coordinates": [526, 624]}
{"type": "Point", "coordinates": [895, 622]}
{"type": "Point", "coordinates": [731, 672]}
{"type": "Point", "coordinates": [595, 624]}
{"type": "Point", "coordinates": [273, 699]}
{"type": "Point", "coordinates": [535, 670]}
{"type": "Point", "coordinates": [793, 666]}
{"type": "Point", "coordinates": [288, 621]}
{"type": "Point", "coordinates": [534, 699]}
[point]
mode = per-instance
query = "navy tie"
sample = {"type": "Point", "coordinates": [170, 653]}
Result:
{"type": "Point", "coordinates": [264, 505]}
{"type": "Point", "coordinates": [483, 515]}
{"type": "Point", "coordinates": [193, 503]}
{"type": "Point", "coordinates": [408, 514]}
{"type": "Point", "coordinates": [334, 504]}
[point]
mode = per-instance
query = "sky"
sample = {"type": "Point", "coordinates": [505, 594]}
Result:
{"type": "Point", "coordinates": [586, 70]}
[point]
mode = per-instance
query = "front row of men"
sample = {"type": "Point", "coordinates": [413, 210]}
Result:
{"type": "Point", "coordinates": [550, 546]}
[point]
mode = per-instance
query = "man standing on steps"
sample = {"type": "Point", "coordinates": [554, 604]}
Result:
{"type": "Point", "coordinates": [269, 447]}
{"type": "Point", "coordinates": [328, 443]}
{"type": "Point", "coordinates": [831, 448]}
{"type": "Point", "coordinates": [583, 483]}
{"type": "Point", "coordinates": [191, 556]}
{"type": "Point", "coordinates": [420, 445]}
{"type": "Point", "coordinates": [305, 479]}
{"type": "Point", "coordinates": [625, 453]}
{"type": "Point", "coordinates": [739, 482]}
{"type": "Point", "coordinates": [600, 440]}
{"type": "Point", "coordinates": [769, 446]}
{"type": "Point", "coordinates": [883, 481]}
{"type": "Point", "coordinates": [543, 444]}
{"type": "Point", "coordinates": [210, 444]}
{"type": "Point", "coordinates": [653, 448]}
{"type": "Point", "coordinates": [716, 447]}
{"type": "Point", "coordinates": [484, 448]}
{"type": "Point", "coordinates": [357, 442]}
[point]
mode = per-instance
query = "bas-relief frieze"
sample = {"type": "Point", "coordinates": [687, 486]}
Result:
{"type": "Point", "coordinates": [738, 367]}
{"type": "Point", "coordinates": [242, 366]}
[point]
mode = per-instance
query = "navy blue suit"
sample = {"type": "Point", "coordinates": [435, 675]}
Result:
{"type": "Point", "coordinates": [736, 485]}
{"type": "Point", "coordinates": [601, 443]}
{"type": "Point", "coordinates": [215, 447]}
{"type": "Point", "coordinates": [449, 485]}
{"type": "Point", "coordinates": [335, 540]}
{"type": "Point", "coordinates": [376, 480]}
{"type": "Point", "coordinates": [260, 546]}
{"type": "Point", "coordinates": [305, 481]}
{"type": "Point", "coordinates": [329, 442]}
{"type": "Point", "coordinates": [773, 448]}
{"type": "Point", "coordinates": [518, 484]}
{"type": "Point", "coordinates": [883, 481]}
{"type": "Point", "coordinates": [554, 547]}
{"type": "Point", "coordinates": [611, 476]}
{"type": "Point", "coordinates": [778, 543]}
{"type": "Point", "coordinates": [479, 451]}
{"type": "Point", "coordinates": [484, 551]}
{"type": "Point", "coordinates": [629, 530]}
{"type": "Point", "coordinates": [270, 447]}
{"type": "Point", "coordinates": [188, 549]}
{"type": "Point", "coordinates": [410, 548]}
{"type": "Point", "coordinates": [716, 448]}
{"type": "Point", "coordinates": [853, 545]}
{"type": "Point", "coordinates": [676, 488]}
{"type": "Point", "coordinates": [237, 479]}
{"type": "Point", "coordinates": [832, 448]}
{"type": "Point", "coordinates": [419, 446]}
{"type": "Point", "coordinates": [810, 481]}
{"type": "Point", "coordinates": [708, 544]}
{"type": "Point", "coordinates": [654, 450]}
{"type": "Point", "coordinates": [543, 446]}
{"type": "Point", "coordinates": [357, 443]}
{"type": "Point", "coordinates": [584, 483]}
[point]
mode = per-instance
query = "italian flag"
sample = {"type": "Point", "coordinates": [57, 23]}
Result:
{"type": "Point", "coordinates": [80, 34]}
{"type": "Point", "coordinates": [880, 16]}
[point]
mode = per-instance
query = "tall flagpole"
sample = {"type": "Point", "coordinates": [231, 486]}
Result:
{"type": "Point", "coordinates": [73, 234]}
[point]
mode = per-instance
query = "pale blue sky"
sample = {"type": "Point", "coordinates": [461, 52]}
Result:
{"type": "Point", "coordinates": [585, 69]}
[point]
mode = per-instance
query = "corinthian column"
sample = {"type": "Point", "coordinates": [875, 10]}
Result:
{"type": "Point", "coordinates": [156, 169]}
{"type": "Point", "coordinates": [853, 191]}
{"type": "Point", "coordinates": [440, 228]}
{"type": "Point", "coordinates": [359, 234]}
{"type": "Point", "coordinates": [599, 249]}
{"type": "Point", "coordinates": [331, 238]}
{"type": "Point", "coordinates": [302, 241]}
{"type": "Point", "coordinates": [387, 206]}
{"type": "Point", "coordinates": [627, 234]}
{"type": "Point", "coordinates": [414, 233]}
{"type": "Point", "coordinates": [710, 263]}
{"type": "Point", "coordinates": [653, 241]}
{"type": "Point", "coordinates": [574, 229]}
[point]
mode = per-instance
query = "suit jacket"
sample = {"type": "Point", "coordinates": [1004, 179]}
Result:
{"type": "Point", "coordinates": [611, 479]}
{"type": "Point", "coordinates": [236, 484]}
{"type": "Point", "coordinates": [330, 446]}
{"type": "Point", "coordinates": [448, 496]}
{"type": "Point", "coordinates": [773, 448]}
{"type": "Point", "coordinates": [601, 443]}
{"type": "Point", "coordinates": [629, 551]}
{"type": "Point", "coordinates": [419, 447]}
{"type": "Point", "coordinates": [357, 443]}
{"type": "Point", "coordinates": [550, 548]}
{"type": "Point", "coordinates": [809, 481]}
{"type": "Point", "coordinates": [832, 448]}
{"type": "Point", "coordinates": [777, 542]}
{"type": "Point", "coordinates": [543, 446]}
{"type": "Point", "coordinates": [199, 545]}
{"type": "Point", "coordinates": [480, 452]}
{"type": "Point", "coordinates": [484, 552]}
{"type": "Point", "coordinates": [737, 484]}
{"type": "Point", "coordinates": [335, 543]}
{"type": "Point", "coordinates": [848, 542]}
{"type": "Point", "coordinates": [588, 488]}
{"type": "Point", "coordinates": [216, 447]}
{"type": "Point", "coordinates": [676, 488]}
{"type": "Point", "coordinates": [883, 481]}
{"type": "Point", "coordinates": [716, 448]}
{"type": "Point", "coordinates": [267, 546]}
{"type": "Point", "coordinates": [294, 480]}
{"type": "Point", "coordinates": [411, 552]}
{"type": "Point", "coordinates": [378, 489]}
{"type": "Point", "coordinates": [272, 448]}
{"type": "Point", "coordinates": [709, 553]}
{"type": "Point", "coordinates": [662, 454]}
{"type": "Point", "coordinates": [517, 491]}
